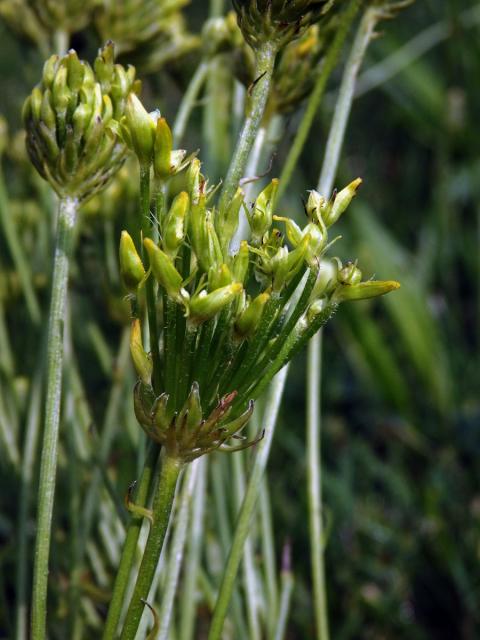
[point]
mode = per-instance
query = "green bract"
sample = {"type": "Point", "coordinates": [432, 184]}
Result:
{"type": "Point", "coordinates": [72, 120]}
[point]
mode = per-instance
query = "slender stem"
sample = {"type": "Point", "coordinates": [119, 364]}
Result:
{"type": "Point", "coordinates": [130, 547]}
{"type": "Point", "coordinates": [265, 60]}
{"type": "Point", "coordinates": [268, 553]}
{"type": "Point", "coordinates": [188, 604]}
{"type": "Point", "coordinates": [248, 507]}
{"type": "Point", "coordinates": [18, 256]}
{"type": "Point", "coordinates": [176, 550]}
{"type": "Point", "coordinates": [67, 213]}
{"type": "Point", "coordinates": [162, 507]}
{"type": "Point", "coordinates": [315, 98]}
{"type": "Point", "coordinates": [146, 232]}
{"type": "Point", "coordinates": [285, 597]}
{"type": "Point", "coordinates": [314, 473]}
{"type": "Point", "coordinates": [188, 102]}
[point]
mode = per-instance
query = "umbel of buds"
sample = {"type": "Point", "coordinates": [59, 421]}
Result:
{"type": "Point", "coordinates": [228, 321]}
{"type": "Point", "coordinates": [278, 21]}
{"type": "Point", "coordinates": [72, 120]}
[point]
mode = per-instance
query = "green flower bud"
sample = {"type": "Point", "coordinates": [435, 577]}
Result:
{"type": "Point", "coordinates": [315, 206]}
{"type": "Point", "coordinates": [163, 150]}
{"type": "Point", "coordinates": [175, 226]}
{"type": "Point", "coordinates": [205, 241]}
{"type": "Point", "coordinates": [248, 320]}
{"type": "Point", "coordinates": [327, 278]}
{"type": "Point", "coordinates": [364, 290]}
{"type": "Point", "coordinates": [240, 262]}
{"type": "Point", "coordinates": [71, 133]}
{"type": "Point", "coordinates": [227, 220]}
{"type": "Point", "coordinates": [261, 218]}
{"type": "Point", "coordinates": [314, 310]}
{"type": "Point", "coordinates": [204, 306]}
{"type": "Point", "coordinates": [218, 277]}
{"type": "Point", "coordinates": [141, 360]}
{"type": "Point", "coordinates": [141, 130]}
{"type": "Point", "coordinates": [165, 272]}
{"type": "Point", "coordinates": [132, 270]}
{"type": "Point", "coordinates": [341, 202]}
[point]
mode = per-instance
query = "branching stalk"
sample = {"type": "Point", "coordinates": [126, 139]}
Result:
{"type": "Point", "coordinates": [67, 214]}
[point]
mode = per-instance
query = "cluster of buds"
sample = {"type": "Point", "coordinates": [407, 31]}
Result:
{"type": "Point", "coordinates": [153, 32]}
{"type": "Point", "coordinates": [230, 320]}
{"type": "Point", "coordinates": [37, 20]}
{"type": "Point", "coordinates": [277, 21]}
{"type": "Point", "coordinates": [72, 121]}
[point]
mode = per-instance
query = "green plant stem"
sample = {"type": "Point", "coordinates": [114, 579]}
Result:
{"type": "Point", "coordinates": [188, 102]}
{"type": "Point", "coordinates": [130, 546]}
{"type": "Point", "coordinates": [162, 507]}
{"type": "Point", "coordinates": [67, 213]}
{"type": "Point", "coordinates": [19, 260]}
{"type": "Point", "coordinates": [265, 60]}
{"type": "Point", "coordinates": [188, 605]}
{"type": "Point", "coordinates": [146, 232]}
{"type": "Point", "coordinates": [316, 96]}
{"type": "Point", "coordinates": [248, 507]}
{"type": "Point", "coordinates": [314, 470]}
{"type": "Point", "coordinates": [176, 550]}
{"type": "Point", "coordinates": [268, 554]}
{"type": "Point", "coordinates": [285, 600]}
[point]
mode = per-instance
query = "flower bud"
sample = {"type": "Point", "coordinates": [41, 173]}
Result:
{"type": "Point", "coordinates": [132, 270]}
{"type": "Point", "coordinates": [163, 150]}
{"type": "Point", "coordinates": [341, 202]}
{"type": "Point", "coordinates": [204, 306]}
{"type": "Point", "coordinates": [141, 130]}
{"type": "Point", "coordinates": [205, 241]}
{"type": "Point", "coordinates": [364, 290]}
{"type": "Point", "coordinates": [165, 272]}
{"type": "Point", "coordinates": [315, 206]}
{"type": "Point", "coordinates": [240, 262]}
{"type": "Point", "coordinates": [261, 218]}
{"type": "Point", "coordinates": [174, 228]}
{"type": "Point", "coordinates": [227, 220]}
{"type": "Point", "coordinates": [327, 278]}
{"type": "Point", "coordinates": [218, 277]}
{"type": "Point", "coordinates": [248, 320]}
{"type": "Point", "coordinates": [141, 360]}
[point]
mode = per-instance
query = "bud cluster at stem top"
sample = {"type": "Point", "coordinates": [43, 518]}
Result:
{"type": "Point", "coordinates": [72, 121]}
{"type": "Point", "coordinates": [230, 320]}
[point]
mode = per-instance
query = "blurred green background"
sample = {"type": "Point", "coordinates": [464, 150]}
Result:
{"type": "Point", "coordinates": [401, 402]}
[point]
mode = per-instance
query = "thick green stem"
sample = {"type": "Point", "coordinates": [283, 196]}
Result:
{"type": "Point", "coordinates": [130, 547]}
{"type": "Point", "coordinates": [162, 508]}
{"type": "Point", "coordinates": [67, 214]}
{"type": "Point", "coordinates": [146, 232]}
{"type": "Point", "coordinates": [265, 60]}
{"type": "Point", "coordinates": [248, 506]}
{"type": "Point", "coordinates": [315, 98]}
{"type": "Point", "coordinates": [325, 185]}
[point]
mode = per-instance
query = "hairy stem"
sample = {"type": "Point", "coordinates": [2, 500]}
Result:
{"type": "Point", "coordinates": [162, 508]}
{"type": "Point", "coordinates": [67, 213]}
{"type": "Point", "coordinates": [265, 60]}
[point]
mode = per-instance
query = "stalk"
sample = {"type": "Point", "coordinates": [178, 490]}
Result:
{"type": "Point", "coordinates": [265, 60]}
{"type": "Point", "coordinates": [162, 508]}
{"type": "Point", "coordinates": [129, 548]}
{"type": "Point", "coordinates": [67, 213]}
{"type": "Point", "coordinates": [188, 102]}
{"type": "Point", "coordinates": [316, 96]}
{"type": "Point", "coordinates": [146, 232]}
{"type": "Point", "coordinates": [314, 470]}
{"type": "Point", "coordinates": [248, 507]}
{"type": "Point", "coordinates": [286, 595]}
{"type": "Point", "coordinates": [176, 550]}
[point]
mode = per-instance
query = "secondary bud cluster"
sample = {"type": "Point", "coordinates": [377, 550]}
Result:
{"type": "Point", "coordinates": [230, 321]}
{"type": "Point", "coordinates": [277, 21]}
{"type": "Point", "coordinates": [72, 121]}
